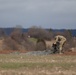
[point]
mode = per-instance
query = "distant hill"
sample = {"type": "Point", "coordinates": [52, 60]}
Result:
{"type": "Point", "coordinates": [9, 30]}
{"type": "Point", "coordinates": [73, 31]}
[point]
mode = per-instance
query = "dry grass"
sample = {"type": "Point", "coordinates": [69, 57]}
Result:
{"type": "Point", "coordinates": [19, 64]}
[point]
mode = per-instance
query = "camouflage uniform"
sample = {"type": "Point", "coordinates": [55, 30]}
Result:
{"type": "Point", "coordinates": [59, 42]}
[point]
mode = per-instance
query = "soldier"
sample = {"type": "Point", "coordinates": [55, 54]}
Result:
{"type": "Point", "coordinates": [58, 44]}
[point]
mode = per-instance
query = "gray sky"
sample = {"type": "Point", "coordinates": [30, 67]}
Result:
{"type": "Point", "coordinates": [45, 13]}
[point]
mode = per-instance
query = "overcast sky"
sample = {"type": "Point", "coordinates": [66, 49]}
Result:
{"type": "Point", "coordinates": [56, 14]}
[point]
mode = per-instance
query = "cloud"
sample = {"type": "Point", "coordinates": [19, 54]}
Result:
{"type": "Point", "coordinates": [47, 13]}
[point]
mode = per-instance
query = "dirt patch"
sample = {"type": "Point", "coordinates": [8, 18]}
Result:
{"type": "Point", "coordinates": [11, 51]}
{"type": "Point", "coordinates": [70, 53]}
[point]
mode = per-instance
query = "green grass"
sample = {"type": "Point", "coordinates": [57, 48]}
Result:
{"type": "Point", "coordinates": [32, 40]}
{"type": "Point", "coordinates": [63, 66]}
{"type": "Point", "coordinates": [42, 65]}
{"type": "Point", "coordinates": [19, 61]}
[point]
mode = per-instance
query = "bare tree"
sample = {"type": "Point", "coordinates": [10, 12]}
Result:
{"type": "Point", "coordinates": [39, 33]}
{"type": "Point", "coordinates": [2, 33]}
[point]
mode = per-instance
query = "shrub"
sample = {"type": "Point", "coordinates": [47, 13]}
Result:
{"type": "Point", "coordinates": [39, 33]}
{"type": "Point", "coordinates": [10, 44]}
{"type": "Point", "coordinates": [17, 35]}
{"type": "Point", "coordinates": [41, 45]}
{"type": "Point", "coordinates": [2, 33]}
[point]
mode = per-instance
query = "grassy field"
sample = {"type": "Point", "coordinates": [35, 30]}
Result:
{"type": "Point", "coordinates": [19, 64]}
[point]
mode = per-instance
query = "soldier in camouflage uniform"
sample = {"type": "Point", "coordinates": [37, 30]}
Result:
{"type": "Point", "coordinates": [58, 44]}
